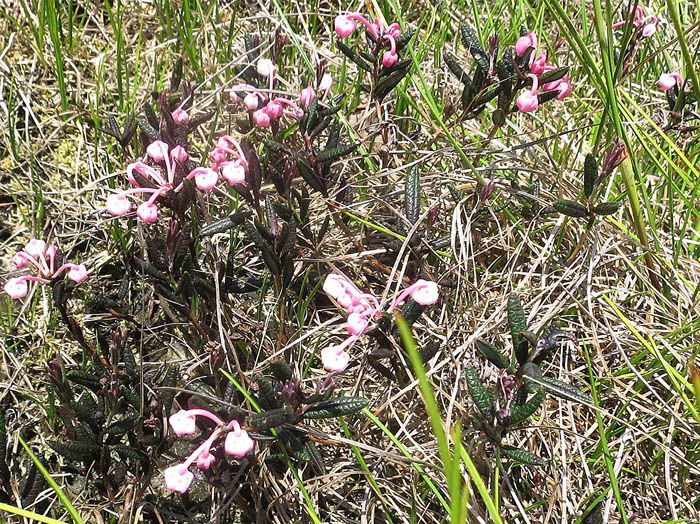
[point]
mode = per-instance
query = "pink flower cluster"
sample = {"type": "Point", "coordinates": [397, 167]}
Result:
{"type": "Point", "coordinates": [528, 100]}
{"type": "Point", "coordinates": [237, 443]}
{"type": "Point", "coordinates": [265, 107]}
{"type": "Point", "coordinates": [646, 23]}
{"type": "Point", "coordinates": [362, 308]}
{"type": "Point", "coordinates": [205, 179]}
{"type": "Point", "coordinates": [669, 80]}
{"type": "Point", "coordinates": [43, 257]}
{"type": "Point", "coordinates": [345, 25]}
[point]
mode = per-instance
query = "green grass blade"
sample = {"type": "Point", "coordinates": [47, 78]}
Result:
{"type": "Point", "coordinates": [51, 482]}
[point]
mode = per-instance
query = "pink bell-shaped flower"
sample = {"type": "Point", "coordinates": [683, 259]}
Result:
{"type": "Point", "coordinates": [261, 118]}
{"type": "Point", "coordinates": [20, 260]}
{"type": "Point", "coordinates": [16, 288]}
{"type": "Point", "coordinates": [183, 423]}
{"type": "Point", "coordinates": [157, 150]}
{"type": "Point", "coordinates": [307, 96]}
{"type": "Point", "coordinates": [527, 102]}
{"type": "Point", "coordinates": [389, 58]}
{"type": "Point", "coordinates": [274, 110]}
{"type": "Point", "coordinates": [265, 67]}
{"type": "Point", "coordinates": [335, 359]}
{"type": "Point", "coordinates": [35, 248]}
{"type": "Point", "coordinates": [357, 323]}
{"type": "Point", "coordinates": [178, 478]}
{"type": "Point", "coordinates": [233, 173]}
{"type": "Point", "coordinates": [205, 178]}
{"type": "Point", "coordinates": [669, 80]}
{"type": "Point", "coordinates": [118, 205]}
{"type": "Point", "coordinates": [251, 101]}
{"type": "Point", "coordinates": [344, 26]}
{"type": "Point", "coordinates": [180, 116]}
{"type": "Point", "coordinates": [78, 274]}
{"type": "Point", "coordinates": [538, 64]}
{"type": "Point", "coordinates": [178, 153]}
{"type": "Point", "coordinates": [147, 212]}
{"type": "Point", "coordinates": [238, 443]}
{"type": "Point", "coordinates": [425, 292]}
{"type": "Point", "coordinates": [205, 459]}
{"type": "Point", "coordinates": [525, 42]}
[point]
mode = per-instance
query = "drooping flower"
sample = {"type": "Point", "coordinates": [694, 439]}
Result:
{"type": "Point", "coordinates": [42, 257]}
{"type": "Point", "coordinates": [527, 101]}
{"type": "Point", "coordinates": [670, 80]}
{"type": "Point", "coordinates": [648, 24]}
{"type": "Point", "coordinates": [238, 443]}
{"type": "Point", "coordinates": [362, 309]}
{"type": "Point", "coordinates": [178, 478]}
{"type": "Point", "coordinates": [180, 116]}
{"type": "Point", "coordinates": [524, 43]}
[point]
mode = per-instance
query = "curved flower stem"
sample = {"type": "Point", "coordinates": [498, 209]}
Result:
{"type": "Point", "coordinates": [64, 267]}
{"type": "Point", "coordinates": [402, 297]}
{"type": "Point", "coordinates": [145, 170]}
{"type": "Point", "coordinates": [204, 446]}
{"type": "Point", "coordinates": [31, 260]}
{"type": "Point", "coordinates": [207, 414]}
{"type": "Point", "coordinates": [370, 26]}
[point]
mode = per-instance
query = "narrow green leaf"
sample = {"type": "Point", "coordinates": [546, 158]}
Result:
{"type": "Point", "coordinates": [607, 208]}
{"type": "Point", "coordinates": [522, 456]}
{"type": "Point", "coordinates": [336, 407]}
{"type": "Point", "coordinates": [590, 174]}
{"type": "Point", "coordinates": [571, 208]}
{"type": "Point", "coordinates": [51, 482]}
{"type": "Point", "coordinates": [516, 322]}
{"type": "Point", "coordinates": [492, 354]}
{"type": "Point", "coordinates": [484, 400]}
{"type": "Point", "coordinates": [412, 195]}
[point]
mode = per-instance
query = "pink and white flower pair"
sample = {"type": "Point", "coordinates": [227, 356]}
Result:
{"type": "Point", "coordinates": [648, 24]}
{"type": "Point", "coordinates": [528, 100]}
{"type": "Point", "coordinates": [362, 308]}
{"type": "Point", "coordinates": [43, 258]}
{"type": "Point", "coordinates": [205, 179]}
{"type": "Point", "coordinates": [238, 444]}
{"type": "Point", "coordinates": [233, 170]}
{"type": "Point", "coordinates": [346, 24]}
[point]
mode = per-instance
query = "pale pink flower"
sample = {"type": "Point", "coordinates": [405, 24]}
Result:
{"type": "Point", "coordinates": [344, 26]}
{"type": "Point", "coordinates": [669, 80]}
{"type": "Point", "coordinates": [178, 478]}
{"type": "Point", "coordinates": [180, 116]}
{"type": "Point", "coordinates": [238, 443]}
{"type": "Point", "coordinates": [524, 43]}
{"type": "Point", "coordinates": [307, 96]}
{"type": "Point", "coordinates": [17, 287]}
{"type": "Point", "coordinates": [183, 422]}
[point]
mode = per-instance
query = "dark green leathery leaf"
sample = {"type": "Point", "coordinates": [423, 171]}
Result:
{"type": "Point", "coordinates": [341, 150]}
{"type": "Point", "coordinates": [532, 371]}
{"type": "Point", "coordinates": [565, 390]}
{"type": "Point", "coordinates": [551, 76]}
{"type": "Point", "coordinates": [336, 407]}
{"type": "Point", "coordinates": [520, 413]}
{"type": "Point", "coordinates": [456, 69]}
{"type": "Point", "coordinates": [570, 208]}
{"type": "Point", "coordinates": [607, 208]}
{"type": "Point", "coordinates": [522, 456]}
{"type": "Point", "coordinates": [492, 354]}
{"type": "Point", "coordinates": [353, 56]}
{"type": "Point", "coordinates": [484, 400]}
{"type": "Point", "coordinates": [412, 195]}
{"type": "Point", "coordinates": [271, 419]}
{"type": "Point", "coordinates": [516, 322]}
{"type": "Point", "coordinates": [471, 42]}
{"type": "Point", "coordinates": [590, 174]}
